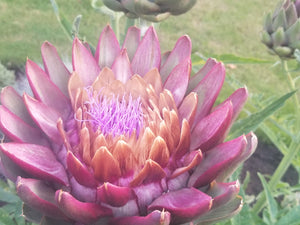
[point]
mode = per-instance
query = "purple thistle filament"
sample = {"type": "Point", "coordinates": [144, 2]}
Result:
{"type": "Point", "coordinates": [114, 115]}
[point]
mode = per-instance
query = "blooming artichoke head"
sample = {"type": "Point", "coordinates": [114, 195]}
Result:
{"type": "Point", "coordinates": [281, 32]}
{"type": "Point", "coordinates": [152, 10]}
{"type": "Point", "coordinates": [125, 138]}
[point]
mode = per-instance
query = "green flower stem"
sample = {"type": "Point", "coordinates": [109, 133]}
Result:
{"type": "Point", "coordinates": [293, 150]}
{"type": "Point", "coordinates": [291, 83]}
{"type": "Point", "coordinates": [280, 171]}
{"type": "Point", "coordinates": [292, 87]}
{"type": "Point", "coordinates": [130, 22]}
{"type": "Point", "coordinates": [64, 23]}
{"type": "Point", "coordinates": [115, 21]}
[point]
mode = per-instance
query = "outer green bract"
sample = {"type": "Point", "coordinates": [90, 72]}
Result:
{"type": "Point", "coordinates": [152, 10]}
{"type": "Point", "coordinates": [126, 138]}
{"type": "Point", "coordinates": [282, 29]}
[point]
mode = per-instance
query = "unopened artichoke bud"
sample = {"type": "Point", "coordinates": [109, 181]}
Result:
{"type": "Point", "coordinates": [151, 10]}
{"type": "Point", "coordinates": [281, 32]}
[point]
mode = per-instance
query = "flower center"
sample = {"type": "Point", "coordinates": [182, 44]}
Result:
{"type": "Point", "coordinates": [114, 115]}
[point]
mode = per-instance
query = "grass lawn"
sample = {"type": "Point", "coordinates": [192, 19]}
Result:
{"type": "Point", "coordinates": [215, 27]}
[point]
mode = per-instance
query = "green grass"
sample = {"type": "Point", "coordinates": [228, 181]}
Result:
{"type": "Point", "coordinates": [215, 27]}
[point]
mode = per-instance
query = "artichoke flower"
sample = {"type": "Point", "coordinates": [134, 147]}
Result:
{"type": "Point", "coordinates": [126, 138]}
{"type": "Point", "coordinates": [150, 10]}
{"type": "Point", "coordinates": [281, 32]}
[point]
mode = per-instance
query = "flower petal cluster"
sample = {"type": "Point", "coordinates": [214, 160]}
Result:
{"type": "Point", "coordinates": [150, 10]}
{"type": "Point", "coordinates": [125, 138]}
{"type": "Point", "coordinates": [281, 32]}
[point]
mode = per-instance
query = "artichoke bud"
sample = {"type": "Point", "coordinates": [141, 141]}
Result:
{"type": "Point", "coordinates": [266, 38]}
{"type": "Point", "coordinates": [291, 15]}
{"type": "Point", "coordinates": [293, 33]}
{"type": "Point", "coordinates": [156, 18]}
{"type": "Point", "coordinates": [296, 44]}
{"type": "Point", "coordinates": [146, 7]}
{"type": "Point", "coordinates": [271, 51]}
{"type": "Point", "coordinates": [131, 15]}
{"type": "Point", "coordinates": [281, 31]}
{"type": "Point", "coordinates": [113, 5]}
{"type": "Point", "coordinates": [152, 10]}
{"type": "Point", "coordinates": [278, 37]}
{"type": "Point", "coordinates": [184, 7]}
{"type": "Point", "coordinates": [279, 20]}
{"type": "Point", "coordinates": [128, 6]}
{"type": "Point", "coordinates": [283, 51]}
{"type": "Point", "coordinates": [268, 23]}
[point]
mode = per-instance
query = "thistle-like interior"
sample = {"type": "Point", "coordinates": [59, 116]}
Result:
{"type": "Point", "coordinates": [126, 128]}
{"type": "Point", "coordinates": [114, 115]}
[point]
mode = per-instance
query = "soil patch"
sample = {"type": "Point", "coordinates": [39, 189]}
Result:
{"type": "Point", "coordinates": [265, 160]}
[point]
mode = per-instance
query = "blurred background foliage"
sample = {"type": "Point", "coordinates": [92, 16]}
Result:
{"type": "Point", "coordinates": [215, 27]}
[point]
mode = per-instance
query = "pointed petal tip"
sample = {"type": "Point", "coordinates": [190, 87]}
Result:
{"type": "Point", "coordinates": [107, 40]}
{"type": "Point", "coordinates": [108, 27]}
{"type": "Point", "coordinates": [121, 66]}
{"type": "Point", "coordinates": [37, 160]}
{"type": "Point", "coordinates": [245, 89]}
{"type": "Point", "coordinates": [29, 62]}
{"type": "Point", "coordinates": [184, 205]}
{"type": "Point", "coordinates": [27, 97]}
{"type": "Point", "coordinates": [155, 217]}
{"type": "Point", "coordinates": [148, 54]}
{"type": "Point", "coordinates": [76, 43]}
{"type": "Point", "coordinates": [151, 31]}
{"type": "Point", "coordinates": [84, 62]}
{"type": "Point", "coordinates": [83, 212]}
{"type": "Point", "coordinates": [186, 40]}
{"type": "Point", "coordinates": [39, 196]}
{"type": "Point", "coordinates": [252, 142]}
{"type": "Point", "coordinates": [135, 28]}
{"type": "Point", "coordinates": [46, 44]}
{"type": "Point", "coordinates": [5, 90]}
{"type": "Point", "coordinates": [177, 81]}
{"type": "Point", "coordinates": [116, 196]}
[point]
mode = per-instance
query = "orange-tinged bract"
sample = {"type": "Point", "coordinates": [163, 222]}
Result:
{"type": "Point", "coordinates": [125, 138]}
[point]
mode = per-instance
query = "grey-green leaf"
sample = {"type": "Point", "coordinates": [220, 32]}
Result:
{"type": "Point", "coordinates": [291, 218]}
{"type": "Point", "coordinates": [6, 196]}
{"type": "Point", "coordinates": [251, 123]}
{"type": "Point", "coordinates": [198, 59]}
{"type": "Point", "coordinates": [76, 25]}
{"type": "Point", "coordinates": [271, 202]}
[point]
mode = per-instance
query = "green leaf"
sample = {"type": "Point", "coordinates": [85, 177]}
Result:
{"type": "Point", "coordinates": [50, 221]}
{"type": "Point", "coordinates": [199, 59]}
{"type": "Point", "coordinates": [297, 55]}
{"type": "Point", "coordinates": [245, 216]}
{"type": "Point", "coordinates": [271, 203]}
{"type": "Point", "coordinates": [291, 218]}
{"type": "Point", "coordinates": [252, 122]}
{"type": "Point", "coordinates": [7, 196]}
{"type": "Point", "coordinates": [76, 25]}
{"type": "Point", "coordinates": [96, 3]}
{"type": "Point", "coordinates": [222, 212]}
{"type": "Point", "coordinates": [65, 24]}
{"type": "Point", "coordinates": [32, 214]}
{"type": "Point", "coordinates": [233, 59]}
{"type": "Point", "coordinates": [5, 218]}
